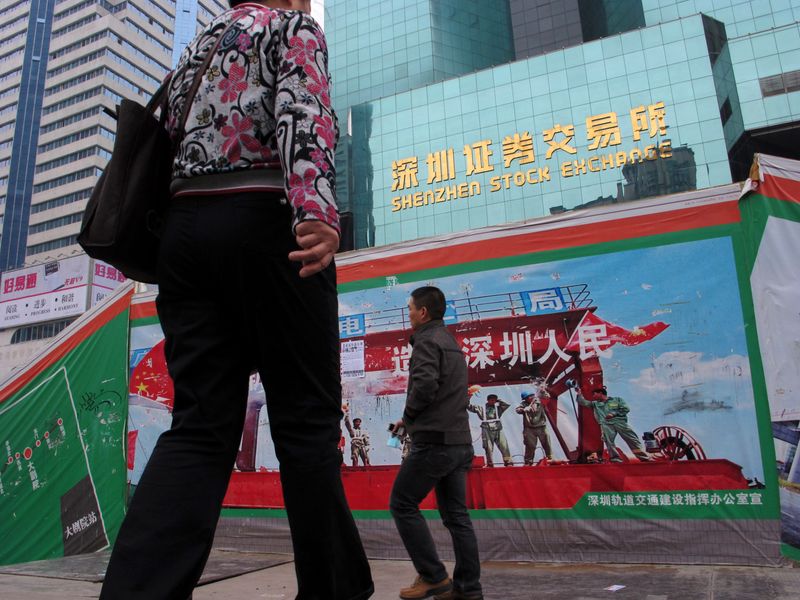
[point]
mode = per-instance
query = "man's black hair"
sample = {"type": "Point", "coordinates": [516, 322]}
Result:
{"type": "Point", "coordinates": [490, 396]}
{"type": "Point", "coordinates": [233, 3]}
{"type": "Point", "coordinates": [601, 390]}
{"type": "Point", "coordinates": [431, 298]}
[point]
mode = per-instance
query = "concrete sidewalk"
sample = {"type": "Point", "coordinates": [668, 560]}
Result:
{"type": "Point", "coordinates": [502, 581]}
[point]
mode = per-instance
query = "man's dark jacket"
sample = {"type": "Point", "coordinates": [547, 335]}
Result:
{"type": "Point", "coordinates": [436, 407]}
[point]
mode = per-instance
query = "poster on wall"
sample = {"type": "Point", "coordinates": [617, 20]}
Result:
{"type": "Point", "coordinates": [661, 328]}
{"type": "Point", "coordinates": [656, 316]}
{"type": "Point", "coordinates": [62, 422]}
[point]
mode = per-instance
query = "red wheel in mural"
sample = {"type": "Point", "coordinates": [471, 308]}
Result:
{"type": "Point", "coordinates": [676, 444]}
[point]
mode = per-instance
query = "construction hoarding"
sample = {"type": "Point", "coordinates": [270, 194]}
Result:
{"type": "Point", "coordinates": [771, 218]}
{"type": "Point", "coordinates": [62, 426]}
{"type": "Point", "coordinates": [650, 299]}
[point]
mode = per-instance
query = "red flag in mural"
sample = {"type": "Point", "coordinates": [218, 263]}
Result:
{"type": "Point", "coordinates": [132, 436]}
{"type": "Point", "coordinates": [150, 379]}
{"type": "Point", "coordinates": [601, 334]}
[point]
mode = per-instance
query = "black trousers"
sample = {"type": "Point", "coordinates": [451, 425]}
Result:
{"type": "Point", "coordinates": [230, 301]}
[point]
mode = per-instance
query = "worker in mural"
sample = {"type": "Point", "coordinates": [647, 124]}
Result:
{"type": "Point", "coordinates": [534, 423]}
{"type": "Point", "coordinates": [611, 413]}
{"type": "Point", "coordinates": [359, 441]}
{"type": "Point", "coordinates": [492, 428]}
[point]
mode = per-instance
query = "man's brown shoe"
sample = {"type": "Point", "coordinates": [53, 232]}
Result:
{"type": "Point", "coordinates": [422, 589]}
{"type": "Point", "coordinates": [456, 595]}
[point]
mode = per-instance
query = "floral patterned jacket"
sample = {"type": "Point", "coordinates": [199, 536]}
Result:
{"type": "Point", "coordinates": [262, 117]}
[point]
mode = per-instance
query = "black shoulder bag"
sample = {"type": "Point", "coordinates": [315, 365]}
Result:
{"type": "Point", "coordinates": [122, 218]}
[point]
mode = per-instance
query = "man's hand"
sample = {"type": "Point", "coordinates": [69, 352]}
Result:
{"type": "Point", "coordinates": [318, 242]}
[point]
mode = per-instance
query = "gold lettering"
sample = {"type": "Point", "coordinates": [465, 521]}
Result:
{"type": "Point", "coordinates": [417, 198]}
{"type": "Point", "coordinates": [580, 166]}
{"type": "Point", "coordinates": [636, 155]}
{"type": "Point", "coordinates": [404, 173]}
{"type": "Point", "coordinates": [474, 188]}
{"type": "Point", "coordinates": [607, 161]}
{"type": "Point", "coordinates": [566, 169]}
{"type": "Point", "coordinates": [665, 149]}
{"type": "Point", "coordinates": [452, 192]}
{"type": "Point", "coordinates": [463, 190]}
{"type": "Point", "coordinates": [396, 204]}
{"type": "Point", "coordinates": [519, 179]}
{"type": "Point", "coordinates": [595, 169]}
{"type": "Point", "coordinates": [440, 194]}
{"type": "Point", "coordinates": [650, 153]}
{"type": "Point", "coordinates": [507, 180]}
{"type": "Point", "coordinates": [544, 174]}
{"type": "Point", "coordinates": [530, 176]}
{"type": "Point", "coordinates": [428, 197]}
{"type": "Point", "coordinates": [494, 183]}
{"type": "Point", "coordinates": [622, 158]}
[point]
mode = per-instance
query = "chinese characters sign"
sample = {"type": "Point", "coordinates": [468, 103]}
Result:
{"type": "Point", "coordinates": [351, 326]}
{"type": "Point", "coordinates": [680, 500]}
{"type": "Point", "coordinates": [54, 290]}
{"type": "Point", "coordinates": [514, 163]}
{"type": "Point", "coordinates": [44, 292]}
{"type": "Point", "coordinates": [105, 280]}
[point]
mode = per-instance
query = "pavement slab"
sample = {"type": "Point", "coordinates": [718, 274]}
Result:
{"type": "Point", "coordinates": [501, 581]}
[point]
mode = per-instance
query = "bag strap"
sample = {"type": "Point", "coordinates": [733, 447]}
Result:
{"type": "Point", "coordinates": [198, 78]}
{"type": "Point", "coordinates": [160, 95]}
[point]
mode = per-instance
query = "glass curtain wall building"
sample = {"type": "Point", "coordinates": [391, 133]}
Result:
{"type": "Point", "coordinates": [586, 102]}
{"type": "Point", "coordinates": [64, 64]}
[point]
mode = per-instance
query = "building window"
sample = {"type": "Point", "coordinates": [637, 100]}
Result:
{"type": "Point", "coordinates": [783, 83]}
{"type": "Point", "coordinates": [39, 332]}
{"type": "Point", "coordinates": [70, 240]}
{"type": "Point", "coordinates": [74, 156]}
{"type": "Point", "coordinates": [55, 223]}
{"type": "Point", "coordinates": [54, 183]}
{"type": "Point", "coordinates": [61, 201]}
{"type": "Point", "coordinates": [725, 111]}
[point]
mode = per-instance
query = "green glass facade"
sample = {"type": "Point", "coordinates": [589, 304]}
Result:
{"type": "Point", "coordinates": [601, 18]}
{"type": "Point", "coordinates": [764, 42]}
{"type": "Point", "coordinates": [381, 48]}
{"type": "Point", "coordinates": [651, 111]}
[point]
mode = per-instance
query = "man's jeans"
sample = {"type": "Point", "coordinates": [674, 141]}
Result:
{"type": "Point", "coordinates": [443, 468]}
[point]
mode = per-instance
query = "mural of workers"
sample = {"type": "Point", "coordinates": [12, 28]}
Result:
{"type": "Point", "coordinates": [534, 423]}
{"type": "Point", "coordinates": [492, 428]}
{"type": "Point", "coordinates": [359, 441]}
{"type": "Point", "coordinates": [611, 413]}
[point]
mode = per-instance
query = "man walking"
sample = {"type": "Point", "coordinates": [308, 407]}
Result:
{"type": "Point", "coordinates": [534, 424]}
{"type": "Point", "coordinates": [435, 417]}
{"type": "Point", "coordinates": [492, 428]}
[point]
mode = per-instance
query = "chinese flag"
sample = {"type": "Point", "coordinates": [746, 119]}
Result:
{"type": "Point", "coordinates": [150, 378]}
{"type": "Point", "coordinates": [616, 334]}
